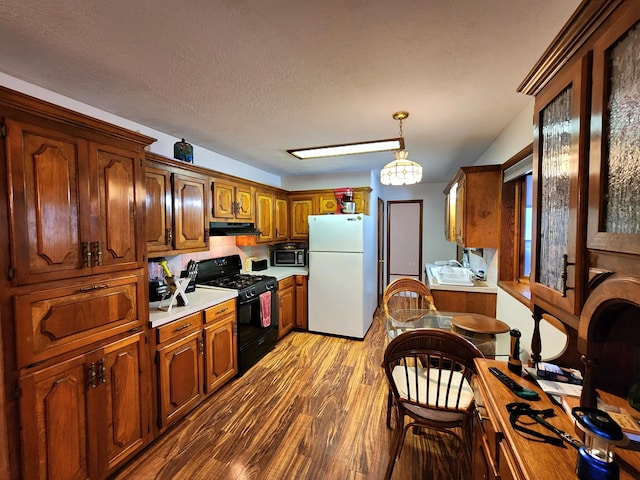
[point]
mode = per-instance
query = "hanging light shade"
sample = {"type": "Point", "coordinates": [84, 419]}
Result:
{"type": "Point", "coordinates": [401, 171]}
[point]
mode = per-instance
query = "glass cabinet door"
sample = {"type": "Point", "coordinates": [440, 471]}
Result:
{"type": "Point", "coordinates": [614, 191]}
{"type": "Point", "coordinates": [559, 193]}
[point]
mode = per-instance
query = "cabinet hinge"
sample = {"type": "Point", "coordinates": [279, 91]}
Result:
{"type": "Point", "coordinates": [3, 130]}
{"type": "Point", "coordinates": [17, 392]}
{"type": "Point", "coordinates": [10, 273]}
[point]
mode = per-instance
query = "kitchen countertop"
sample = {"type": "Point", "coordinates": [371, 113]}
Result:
{"type": "Point", "coordinates": [207, 297]}
{"type": "Point", "coordinates": [479, 286]}
{"type": "Point", "coordinates": [200, 299]}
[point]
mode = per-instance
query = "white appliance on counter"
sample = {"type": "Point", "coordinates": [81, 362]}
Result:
{"type": "Point", "coordinates": [342, 274]}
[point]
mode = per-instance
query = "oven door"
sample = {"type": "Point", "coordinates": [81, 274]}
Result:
{"type": "Point", "coordinates": [254, 340]}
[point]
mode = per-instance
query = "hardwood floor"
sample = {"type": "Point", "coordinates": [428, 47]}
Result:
{"type": "Point", "coordinates": [313, 408]}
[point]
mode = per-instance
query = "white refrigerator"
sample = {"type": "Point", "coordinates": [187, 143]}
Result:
{"type": "Point", "coordinates": [342, 274]}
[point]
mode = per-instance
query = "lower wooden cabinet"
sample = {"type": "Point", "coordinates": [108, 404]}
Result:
{"type": "Point", "coordinates": [220, 347]}
{"type": "Point", "coordinates": [286, 306]}
{"type": "Point", "coordinates": [84, 416]}
{"type": "Point", "coordinates": [180, 384]}
{"type": "Point", "coordinates": [301, 303]}
{"type": "Point", "coordinates": [196, 355]}
{"type": "Point", "coordinates": [469, 302]}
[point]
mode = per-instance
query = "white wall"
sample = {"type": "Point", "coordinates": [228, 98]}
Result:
{"type": "Point", "coordinates": [163, 145]}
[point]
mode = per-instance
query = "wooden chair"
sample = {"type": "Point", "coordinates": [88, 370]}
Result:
{"type": "Point", "coordinates": [430, 374]}
{"type": "Point", "coordinates": [407, 293]}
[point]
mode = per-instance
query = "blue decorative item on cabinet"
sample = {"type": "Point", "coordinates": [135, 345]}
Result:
{"type": "Point", "coordinates": [183, 151]}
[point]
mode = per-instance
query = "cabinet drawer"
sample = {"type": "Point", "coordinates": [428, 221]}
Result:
{"type": "Point", "coordinates": [179, 327]}
{"type": "Point", "coordinates": [288, 282]}
{"type": "Point", "coordinates": [55, 321]}
{"type": "Point", "coordinates": [221, 310]}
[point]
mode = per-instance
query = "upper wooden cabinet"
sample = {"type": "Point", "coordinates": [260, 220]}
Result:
{"type": "Point", "coordinates": [300, 207]}
{"type": "Point", "coordinates": [232, 201]}
{"type": "Point", "coordinates": [265, 216]}
{"type": "Point", "coordinates": [177, 201]}
{"type": "Point", "coordinates": [559, 189]}
{"type": "Point", "coordinates": [272, 218]}
{"type": "Point", "coordinates": [281, 218]}
{"type": "Point", "coordinates": [76, 203]}
{"type": "Point", "coordinates": [472, 207]}
{"type": "Point", "coordinates": [614, 171]}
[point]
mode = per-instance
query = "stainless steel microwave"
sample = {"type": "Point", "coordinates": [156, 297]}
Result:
{"type": "Point", "coordinates": [296, 257]}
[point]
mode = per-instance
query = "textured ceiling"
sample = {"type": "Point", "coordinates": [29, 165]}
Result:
{"type": "Point", "coordinates": [250, 79]}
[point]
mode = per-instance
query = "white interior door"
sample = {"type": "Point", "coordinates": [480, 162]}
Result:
{"type": "Point", "coordinates": [404, 239]}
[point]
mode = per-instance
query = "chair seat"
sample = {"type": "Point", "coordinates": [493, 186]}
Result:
{"type": "Point", "coordinates": [447, 396]}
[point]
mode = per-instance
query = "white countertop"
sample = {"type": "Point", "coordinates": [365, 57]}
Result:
{"type": "Point", "coordinates": [205, 297]}
{"type": "Point", "coordinates": [478, 287]}
{"type": "Point", "coordinates": [200, 299]}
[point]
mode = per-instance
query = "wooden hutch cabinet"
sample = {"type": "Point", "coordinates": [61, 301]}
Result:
{"type": "Point", "coordinates": [73, 302]}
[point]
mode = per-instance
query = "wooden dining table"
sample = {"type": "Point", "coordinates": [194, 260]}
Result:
{"type": "Point", "coordinates": [489, 334]}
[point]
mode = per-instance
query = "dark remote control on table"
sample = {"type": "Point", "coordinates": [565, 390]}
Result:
{"type": "Point", "coordinates": [515, 387]}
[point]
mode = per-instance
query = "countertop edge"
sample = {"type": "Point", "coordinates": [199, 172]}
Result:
{"type": "Point", "coordinates": [200, 299]}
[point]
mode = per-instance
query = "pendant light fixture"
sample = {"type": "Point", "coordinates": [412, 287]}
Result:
{"type": "Point", "coordinates": [401, 171]}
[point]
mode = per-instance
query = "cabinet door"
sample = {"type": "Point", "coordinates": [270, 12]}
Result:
{"type": "Point", "coordinates": [459, 216]}
{"type": "Point", "coordinates": [50, 202]}
{"type": "Point", "coordinates": [264, 216]}
{"type": "Point", "coordinates": [614, 190]}
{"type": "Point", "coordinates": [361, 202]}
{"type": "Point", "coordinates": [180, 383]}
{"type": "Point", "coordinates": [223, 200]}
{"type": "Point", "coordinates": [301, 302]}
{"type": "Point", "coordinates": [559, 193]}
{"type": "Point", "coordinates": [53, 420]}
{"type": "Point", "coordinates": [220, 352]}
{"type": "Point", "coordinates": [244, 199]}
{"type": "Point", "coordinates": [301, 208]}
{"type": "Point", "coordinates": [286, 306]}
{"type": "Point", "coordinates": [124, 410]}
{"type": "Point", "coordinates": [159, 216]}
{"type": "Point", "coordinates": [327, 203]}
{"type": "Point", "coordinates": [281, 214]}
{"type": "Point", "coordinates": [190, 215]}
{"type": "Point", "coordinates": [117, 238]}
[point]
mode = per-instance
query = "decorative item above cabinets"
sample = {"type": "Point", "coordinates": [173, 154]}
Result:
{"type": "Point", "coordinates": [472, 207]}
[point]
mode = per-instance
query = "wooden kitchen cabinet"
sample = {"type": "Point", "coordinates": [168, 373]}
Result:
{"type": "Point", "coordinates": [281, 218]}
{"type": "Point", "coordinates": [84, 416]}
{"type": "Point", "coordinates": [232, 201]}
{"type": "Point", "coordinates": [470, 302]}
{"type": "Point", "coordinates": [286, 306]}
{"type": "Point", "coordinates": [473, 200]}
{"type": "Point", "coordinates": [301, 303]}
{"type": "Point", "coordinates": [265, 216]}
{"type": "Point", "coordinates": [300, 206]}
{"type": "Point", "coordinates": [327, 203]}
{"type": "Point", "coordinates": [220, 345]}
{"type": "Point", "coordinates": [177, 218]}
{"type": "Point", "coordinates": [180, 372]}
{"type": "Point", "coordinates": [74, 207]}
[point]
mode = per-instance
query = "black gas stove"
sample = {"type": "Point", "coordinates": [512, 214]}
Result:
{"type": "Point", "coordinates": [224, 272]}
{"type": "Point", "coordinates": [255, 336]}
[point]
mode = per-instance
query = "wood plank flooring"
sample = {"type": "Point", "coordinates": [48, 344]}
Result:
{"type": "Point", "coordinates": [313, 408]}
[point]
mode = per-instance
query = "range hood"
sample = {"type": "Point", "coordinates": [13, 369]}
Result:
{"type": "Point", "coordinates": [228, 229]}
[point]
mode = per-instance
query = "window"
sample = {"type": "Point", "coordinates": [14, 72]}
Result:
{"type": "Point", "coordinates": [516, 228]}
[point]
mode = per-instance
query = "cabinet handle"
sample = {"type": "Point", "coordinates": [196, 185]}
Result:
{"type": "Point", "coordinates": [206, 234]}
{"type": "Point", "coordinates": [168, 236]}
{"type": "Point", "coordinates": [222, 311]}
{"type": "Point", "coordinates": [179, 352]}
{"type": "Point", "coordinates": [201, 342]}
{"type": "Point", "coordinates": [94, 287]}
{"type": "Point", "coordinates": [92, 375]}
{"type": "Point", "coordinates": [102, 371]}
{"type": "Point", "coordinates": [564, 274]}
{"type": "Point", "coordinates": [87, 253]}
{"type": "Point", "coordinates": [181, 327]}
{"type": "Point", "coordinates": [99, 252]}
